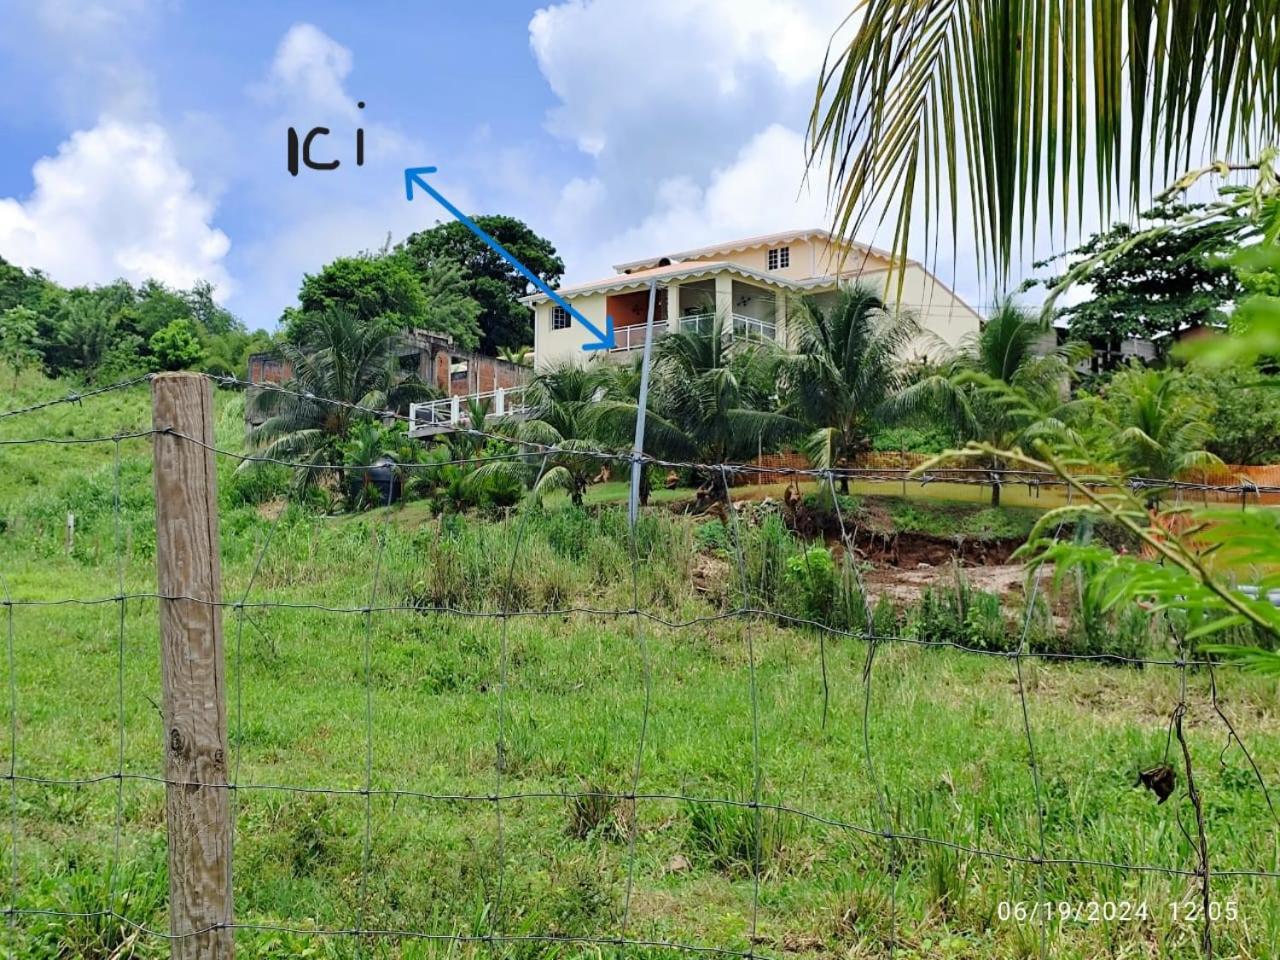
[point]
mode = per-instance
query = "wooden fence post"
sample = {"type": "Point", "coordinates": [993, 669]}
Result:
{"type": "Point", "coordinates": [197, 801]}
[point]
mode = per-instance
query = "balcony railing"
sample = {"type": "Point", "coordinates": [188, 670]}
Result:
{"type": "Point", "coordinates": [697, 323]}
{"type": "Point", "coordinates": [744, 327]}
{"type": "Point", "coordinates": [441, 416]}
{"type": "Point", "coordinates": [753, 328]}
{"type": "Point", "coordinates": [632, 337]}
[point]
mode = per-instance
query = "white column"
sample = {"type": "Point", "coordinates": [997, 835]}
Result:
{"type": "Point", "coordinates": [724, 300]}
{"type": "Point", "coordinates": [455, 409]}
{"type": "Point", "coordinates": [500, 399]}
{"type": "Point", "coordinates": [780, 317]}
{"type": "Point", "coordinates": [673, 307]}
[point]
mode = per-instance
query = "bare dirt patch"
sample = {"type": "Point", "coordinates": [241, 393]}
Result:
{"type": "Point", "coordinates": [906, 585]}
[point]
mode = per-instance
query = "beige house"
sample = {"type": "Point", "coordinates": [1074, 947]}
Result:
{"type": "Point", "coordinates": [753, 282]}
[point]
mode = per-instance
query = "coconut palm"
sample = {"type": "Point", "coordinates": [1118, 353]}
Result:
{"type": "Point", "coordinates": [1158, 429]}
{"type": "Point", "coordinates": [1000, 388]}
{"type": "Point", "coordinates": [846, 371]}
{"type": "Point", "coordinates": [710, 402]}
{"type": "Point", "coordinates": [1010, 102]}
{"type": "Point", "coordinates": [517, 355]}
{"type": "Point", "coordinates": [555, 402]}
{"type": "Point", "coordinates": [348, 371]}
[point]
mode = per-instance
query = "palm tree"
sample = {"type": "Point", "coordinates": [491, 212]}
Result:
{"type": "Point", "coordinates": [348, 371]}
{"type": "Point", "coordinates": [1010, 102]}
{"type": "Point", "coordinates": [556, 401]}
{"type": "Point", "coordinates": [710, 402]}
{"type": "Point", "coordinates": [1159, 430]}
{"type": "Point", "coordinates": [845, 372]}
{"type": "Point", "coordinates": [999, 387]}
{"type": "Point", "coordinates": [517, 355]}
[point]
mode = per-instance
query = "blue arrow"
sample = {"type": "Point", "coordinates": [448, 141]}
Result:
{"type": "Point", "coordinates": [415, 176]}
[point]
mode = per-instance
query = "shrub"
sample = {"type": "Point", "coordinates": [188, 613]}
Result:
{"type": "Point", "coordinates": [811, 581]}
{"type": "Point", "coordinates": [711, 537]}
{"type": "Point", "coordinates": [962, 616]}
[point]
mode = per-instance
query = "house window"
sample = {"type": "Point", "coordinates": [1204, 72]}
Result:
{"type": "Point", "coordinates": [779, 258]}
{"type": "Point", "coordinates": [559, 318]}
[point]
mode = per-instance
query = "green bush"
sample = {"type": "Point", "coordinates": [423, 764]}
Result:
{"type": "Point", "coordinates": [914, 439]}
{"type": "Point", "coordinates": [811, 580]}
{"type": "Point", "coordinates": [960, 615]}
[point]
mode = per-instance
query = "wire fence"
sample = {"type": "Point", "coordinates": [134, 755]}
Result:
{"type": "Point", "coordinates": [882, 825]}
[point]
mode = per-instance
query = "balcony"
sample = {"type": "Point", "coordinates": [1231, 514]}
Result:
{"type": "Point", "coordinates": [454, 413]}
{"type": "Point", "coordinates": [744, 327]}
{"type": "Point", "coordinates": [632, 337]}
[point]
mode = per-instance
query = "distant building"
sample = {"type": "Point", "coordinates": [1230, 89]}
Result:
{"type": "Point", "coordinates": [432, 356]}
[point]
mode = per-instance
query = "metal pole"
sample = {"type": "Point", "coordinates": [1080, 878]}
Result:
{"type": "Point", "coordinates": [633, 511]}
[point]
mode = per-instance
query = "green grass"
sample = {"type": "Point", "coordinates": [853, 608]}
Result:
{"type": "Point", "coordinates": [944, 730]}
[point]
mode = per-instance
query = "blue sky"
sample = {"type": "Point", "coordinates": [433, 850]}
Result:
{"type": "Point", "coordinates": [147, 137]}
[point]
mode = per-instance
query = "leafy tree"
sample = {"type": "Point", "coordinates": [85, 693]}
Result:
{"type": "Point", "coordinates": [1244, 412]}
{"type": "Point", "coordinates": [1153, 280]}
{"type": "Point", "coordinates": [108, 331]}
{"type": "Point", "coordinates": [450, 308]}
{"type": "Point", "coordinates": [205, 312]}
{"type": "Point", "coordinates": [384, 288]}
{"type": "Point", "coordinates": [845, 372]}
{"type": "Point", "coordinates": [1009, 103]}
{"type": "Point", "coordinates": [1000, 388]}
{"type": "Point", "coordinates": [176, 346]}
{"type": "Point", "coordinates": [19, 331]}
{"type": "Point", "coordinates": [348, 360]}
{"type": "Point", "coordinates": [80, 335]}
{"type": "Point", "coordinates": [491, 281]}
{"type": "Point", "coordinates": [22, 288]}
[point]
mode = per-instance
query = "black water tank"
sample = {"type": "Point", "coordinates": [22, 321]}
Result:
{"type": "Point", "coordinates": [383, 481]}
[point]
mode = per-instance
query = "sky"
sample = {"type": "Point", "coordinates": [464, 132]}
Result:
{"type": "Point", "coordinates": [147, 138]}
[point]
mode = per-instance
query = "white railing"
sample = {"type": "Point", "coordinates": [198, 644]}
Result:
{"type": "Point", "coordinates": [453, 412]}
{"type": "Point", "coordinates": [632, 337]}
{"type": "Point", "coordinates": [744, 327]}
{"type": "Point", "coordinates": [697, 323]}
{"type": "Point", "coordinates": [753, 328]}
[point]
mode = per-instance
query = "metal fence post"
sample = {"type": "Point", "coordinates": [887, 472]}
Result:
{"type": "Point", "coordinates": [189, 579]}
{"type": "Point", "coordinates": [637, 449]}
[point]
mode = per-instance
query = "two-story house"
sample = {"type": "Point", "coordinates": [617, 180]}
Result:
{"type": "Point", "coordinates": [751, 283]}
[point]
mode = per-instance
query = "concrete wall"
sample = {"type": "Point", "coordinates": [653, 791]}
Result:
{"type": "Point", "coordinates": [939, 311]}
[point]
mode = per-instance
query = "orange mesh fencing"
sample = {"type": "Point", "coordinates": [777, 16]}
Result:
{"type": "Point", "coordinates": [773, 468]}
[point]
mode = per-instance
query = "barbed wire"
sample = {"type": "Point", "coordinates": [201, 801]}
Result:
{"type": "Point", "coordinates": [745, 612]}
{"type": "Point", "coordinates": [528, 449]}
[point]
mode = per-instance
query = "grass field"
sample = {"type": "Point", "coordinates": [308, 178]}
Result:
{"type": "Point", "coordinates": [943, 737]}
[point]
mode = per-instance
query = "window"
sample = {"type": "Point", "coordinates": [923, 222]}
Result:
{"type": "Point", "coordinates": [559, 318]}
{"type": "Point", "coordinates": [779, 258]}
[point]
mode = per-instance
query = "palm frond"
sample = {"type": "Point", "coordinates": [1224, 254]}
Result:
{"type": "Point", "coordinates": [1035, 101]}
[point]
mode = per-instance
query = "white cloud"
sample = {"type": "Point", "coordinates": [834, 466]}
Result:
{"type": "Point", "coordinates": [115, 202]}
{"type": "Point", "coordinates": [670, 88]}
{"type": "Point", "coordinates": [309, 73]}
{"type": "Point", "coordinates": [760, 191]}
{"type": "Point", "coordinates": [90, 17]}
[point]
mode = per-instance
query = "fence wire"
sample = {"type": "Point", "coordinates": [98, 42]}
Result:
{"type": "Point", "coordinates": [882, 828]}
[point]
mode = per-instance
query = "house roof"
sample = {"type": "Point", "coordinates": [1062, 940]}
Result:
{"type": "Point", "coordinates": [678, 271]}
{"type": "Point", "coordinates": [736, 246]}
